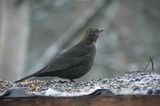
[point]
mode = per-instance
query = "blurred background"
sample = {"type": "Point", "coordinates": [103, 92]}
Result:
{"type": "Point", "coordinates": [32, 32]}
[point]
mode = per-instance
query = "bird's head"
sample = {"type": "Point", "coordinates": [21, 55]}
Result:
{"type": "Point", "coordinates": [91, 35]}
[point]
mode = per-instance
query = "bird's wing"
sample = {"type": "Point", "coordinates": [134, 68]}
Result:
{"type": "Point", "coordinates": [66, 60]}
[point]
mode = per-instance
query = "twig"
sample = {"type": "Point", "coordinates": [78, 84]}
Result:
{"type": "Point", "coordinates": [152, 63]}
{"type": "Point", "coordinates": [147, 65]}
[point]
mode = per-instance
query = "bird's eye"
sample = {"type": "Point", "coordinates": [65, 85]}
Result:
{"type": "Point", "coordinates": [90, 32]}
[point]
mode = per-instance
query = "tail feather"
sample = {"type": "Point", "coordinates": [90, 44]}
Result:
{"type": "Point", "coordinates": [29, 76]}
{"type": "Point", "coordinates": [34, 74]}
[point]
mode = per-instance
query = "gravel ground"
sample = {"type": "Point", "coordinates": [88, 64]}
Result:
{"type": "Point", "coordinates": [131, 83]}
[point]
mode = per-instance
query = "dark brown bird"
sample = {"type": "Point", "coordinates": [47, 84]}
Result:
{"type": "Point", "coordinates": [75, 62]}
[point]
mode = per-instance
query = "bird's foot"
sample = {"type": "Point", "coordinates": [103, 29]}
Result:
{"type": "Point", "coordinates": [71, 80]}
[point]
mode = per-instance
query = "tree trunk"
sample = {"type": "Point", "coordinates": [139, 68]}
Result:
{"type": "Point", "coordinates": [14, 38]}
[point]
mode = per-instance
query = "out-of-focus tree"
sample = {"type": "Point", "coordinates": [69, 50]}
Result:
{"type": "Point", "coordinates": [14, 37]}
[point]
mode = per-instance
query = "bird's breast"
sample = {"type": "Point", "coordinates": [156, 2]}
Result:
{"type": "Point", "coordinates": [89, 59]}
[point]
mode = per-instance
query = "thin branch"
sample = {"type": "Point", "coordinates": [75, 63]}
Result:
{"type": "Point", "coordinates": [152, 63]}
{"type": "Point", "coordinates": [147, 65]}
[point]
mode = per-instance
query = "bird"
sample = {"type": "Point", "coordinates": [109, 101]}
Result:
{"type": "Point", "coordinates": [73, 63]}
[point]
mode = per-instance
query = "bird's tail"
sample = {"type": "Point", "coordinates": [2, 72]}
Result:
{"type": "Point", "coordinates": [32, 75]}
{"type": "Point", "coordinates": [24, 78]}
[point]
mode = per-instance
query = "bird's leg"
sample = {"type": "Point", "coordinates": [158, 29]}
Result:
{"type": "Point", "coordinates": [71, 80]}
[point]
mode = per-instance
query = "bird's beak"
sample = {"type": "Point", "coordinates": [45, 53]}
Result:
{"type": "Point", "coordinates": [100, 30]}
